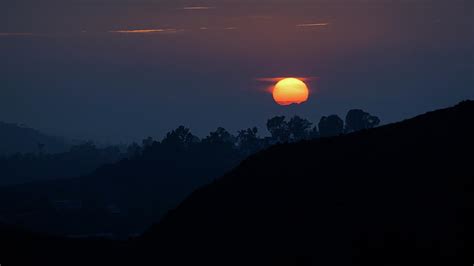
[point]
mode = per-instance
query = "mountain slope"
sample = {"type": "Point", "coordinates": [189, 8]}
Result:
{"type": "Point", "coordinates": [401, 194]}
{"type": "Point", "coordinates": [21, 247]}
{"type": "Point", "coordinates": [119, 199]}
{"type": "Point", "coordinates": [18, 139]}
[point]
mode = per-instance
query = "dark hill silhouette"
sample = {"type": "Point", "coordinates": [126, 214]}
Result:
{"type": "Point", "coordinates": [401, 194]}
{"type": "Point", "coordinates": [126, 196]}
{"type": "Point", "coordinates": [120, 199]}
{"type": "Point", "coordinates": [20, 139]}
{"type": "Point", "coordinates": [21, 247]}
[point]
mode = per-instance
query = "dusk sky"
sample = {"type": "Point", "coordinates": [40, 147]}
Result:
{"type": "Point", "coordinates": [116, 71]}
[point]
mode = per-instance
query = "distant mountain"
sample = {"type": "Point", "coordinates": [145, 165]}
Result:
{"type": "Point", "coordinates": [78, 161]}
{"type": "Point", "coordinates": [20, 139]}
{"type": "Point", "coordinates": [117, 200]}
{"type": "Point", "coordinates": [401, 194]}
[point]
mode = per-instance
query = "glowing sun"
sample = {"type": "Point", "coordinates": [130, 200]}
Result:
{"type": "Point", "coordinates": [290, 91]}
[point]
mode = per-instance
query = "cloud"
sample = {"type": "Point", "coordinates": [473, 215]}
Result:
{"type": "Point", "coordinates": [307, 25]}
{"type": "Point", "coordinates": [276, 79]}
{"type": "Point", "coordinates": [271, 81]}
{"type": "Point", "coordinates": [8, 34]}
{"type": "Point", "coordinates": [198, 7]}
{"type": "Point", "coordinates": [145, 31]}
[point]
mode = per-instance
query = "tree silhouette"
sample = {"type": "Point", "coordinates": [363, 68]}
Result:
{"type": "Point", "coordinates": [331, 126]}
{"type": "Point", "coordinates": [41, 148]}
{"type": "Point", "coordinates": [299, 128]}
{"type": "Point", "coordinates": [85, 148]}
{"type": "Point", "coordinates": [314, 133]}
{"type": "Point", "coordinates": [148, 142]}
{"type": "Point", "coordinates": [357, 119]}
{"type": "Point", "coordinates": [180, 137]}
{"type": "Point", "coordinates": [248, 141]}
{"type": "Point", "coordinates": [279, 129]}
{"type": "Point", "coordinates": [133, 150]}
{"type": "Point", "coordinates": [220, 136]}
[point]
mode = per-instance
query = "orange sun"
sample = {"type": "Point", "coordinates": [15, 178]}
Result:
{"type": "Point", "coordinates": [290, 91]}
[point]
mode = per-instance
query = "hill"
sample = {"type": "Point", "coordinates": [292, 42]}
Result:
{"type": "Point", "coordinates": [401, 194]}
{"type": "Point", "coordinates": [19, 139]}
{"type": "Point", "coordinates": [131, 190]}
{"type": "Point", "coordinates": [21, 247]}
{"type": "Point", "coordinates": [78, 161]}
{"type": "Point", "coordinates": [116, 200]}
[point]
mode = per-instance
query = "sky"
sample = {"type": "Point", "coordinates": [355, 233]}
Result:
{"type": "Point", "coordinates": [121, 70]}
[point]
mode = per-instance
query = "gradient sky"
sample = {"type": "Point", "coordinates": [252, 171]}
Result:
{"type": "Point", "coordinates": [118, 70]}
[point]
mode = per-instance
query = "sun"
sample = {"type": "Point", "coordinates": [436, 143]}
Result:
{"type": "Point", "coordinates": [290, 91]}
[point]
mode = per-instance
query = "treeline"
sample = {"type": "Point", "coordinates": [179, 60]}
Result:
{"type": "Point", "coordinates": [154, 175]}
{"type": "Point", "coordinates": [248, 141]}
{"type": "Point", "coordinates": [179, 143]}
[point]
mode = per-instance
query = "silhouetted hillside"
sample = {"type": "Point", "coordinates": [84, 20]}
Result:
{"type": "Point", "coordinates": [18, 139]}
{"type": "Point", "coordinates": [400, 194]}
{"type": "Point", "coordinates": [128, 195]}
{"type": "Point", "coordinates": [21, 247]}
{"type": "Point", "coordinates": [119, 199]}
{"type": "Point", "coordinates": [125, 197]}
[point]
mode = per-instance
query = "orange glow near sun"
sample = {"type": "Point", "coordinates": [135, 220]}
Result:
{"type": "Point", "coordinates": [290, 91]}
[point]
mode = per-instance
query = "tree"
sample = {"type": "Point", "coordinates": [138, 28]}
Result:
{"type": "Point", "coordinates": [85, 148]}
{"type": "Point", "coordinates": [180, 137]}
{"type": "Point", "coordinates": [111, 153]}
{"type": "Point", "coordinates": [41, 148]}
{"type": "Point", "coordinates": [331, 126]}
{"type": "Point", "coordinates": [299, 128]}
{"type": "Point", "coordinates": [248, 141]}
{"type": "Point", "coordinates": [148, 142]}
{"type": "Point", "coordinates": [357, 119]}
{"type": "Point", "coordinates": [279, 129]}
{"type": "Point", "coordinates": [314, 133]}
{"type": "Point", "coordinates": [220, 136]}
{"type": "Point", "coordinates": [133, 150]}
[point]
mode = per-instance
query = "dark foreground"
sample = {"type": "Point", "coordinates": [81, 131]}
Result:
{"type": "Point", "coordinates": [401, 194]}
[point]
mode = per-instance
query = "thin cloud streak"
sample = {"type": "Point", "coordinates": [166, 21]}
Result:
{"type": "Point", "coordinates": [276, 79]}
{"type": "Point", "coordinates": [7, 34]}
{"type": "Point", "coordinates": [307, 25]}
{"type": "Point", "coordinates": [145, 31]}
{"type": "Point", "coordinates": [198, 7]}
